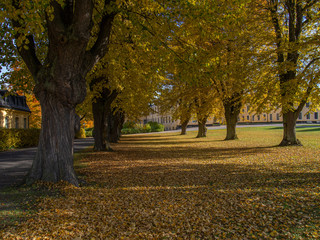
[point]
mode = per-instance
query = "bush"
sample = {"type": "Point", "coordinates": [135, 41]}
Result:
{"type": "Point", "coordinates": [136, 128]}
{"type": "Point", "coordinates": [147, 128]}
{"type": "Point", "coordinates": [129, 130]}
{"type": "Point", "coordinates": [80, 134]}
{"type": "Point", "coordinates": [156, 127]}
{"type": "Point", "coordinates": [18, 138]}
{"type": "Point", "coordinates": [88, 132]}
{"type": "Point", "coordinates": [129, 124]}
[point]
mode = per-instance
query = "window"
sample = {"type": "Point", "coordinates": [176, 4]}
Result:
{"type": "Point", "coordinates": [253, 118]}
{"type": "Point", "coordinates": [258, 117]}
{"type": "Point", "coordinates": [6, 122]}
{"type": "Point", "coordinates": [248, 108]}
{"type": "Point", "coordinates": [278, 116]}
{"type": "Point", "coordinates": [316, 115]}
{"type": "Point", "coordinates": [300, 115]}
{"type": "Point", "coordinates": [307, 104]}
{"type": "Point", "coordinates": [308, 116]}
{"type": "Point", "coordinates": [248, 117]}
{"type": "Point", "coordinates": [25, 123]}
{"type": "Point", "coordinates": [17, 122]}
{"type": "Point", "coordinates": [270, 117]}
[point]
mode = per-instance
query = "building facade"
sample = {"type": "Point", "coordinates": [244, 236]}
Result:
{"type": "Point", "coordinates": [305, 116]}
{"type": "Point", "coordinates": [245, 117]}
{"type": "Point", "coordinates": [14, 111]}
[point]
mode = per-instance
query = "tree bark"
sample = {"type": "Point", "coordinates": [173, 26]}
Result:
{"type": "Point", "coordinates": [102, 112]}
{"type": "Point", "coordinates": [202, 130]}
{"type": "Point", "coordinates": [289, 130]}
{"type": "Point", "coordinates": [232, 109]}
{"type": "Point", "coordinates": [115, 126]}
{"type": "Point", "coordinates": [54, 158]}
{"type": "Point", "coordinates": [184, 126]}
{"type": "Point", "coordinates": [99, 112]}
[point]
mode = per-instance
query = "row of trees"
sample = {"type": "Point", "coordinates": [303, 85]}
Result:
{"type": "Point", "coordinates": [195, 57]}
{"type": "Point", "coordinates": [261, 53]}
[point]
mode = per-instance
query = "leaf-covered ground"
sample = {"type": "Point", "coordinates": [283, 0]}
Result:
{"type": "Point", "coordinates": [167, 186]}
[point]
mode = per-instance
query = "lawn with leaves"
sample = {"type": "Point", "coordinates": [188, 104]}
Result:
{"type": "Point", "coordinates": [167, 186]}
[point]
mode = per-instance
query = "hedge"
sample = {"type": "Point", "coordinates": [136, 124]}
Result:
{"type": "Point", "coordinates": [18, 138]}
{"type": "Point", "coordinates": [130, 128]}
{"type": "Point", "coordinates": [156, 127]}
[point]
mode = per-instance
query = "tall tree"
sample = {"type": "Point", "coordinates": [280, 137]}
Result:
{"type": "Point", "coordinates": [219, 45]}
{"type": "Point", "coordinates": [295, 25]}
{"type": "Point", "coordinates": [127, 78]}
{"type": "Point", "coordinates": [59, 41]}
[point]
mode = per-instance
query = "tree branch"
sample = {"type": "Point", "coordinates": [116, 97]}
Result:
{"type": "Point", "coordinates": [309, 4]}
{"type": "Point", "coordinates": [100, 47]}
{"type": "Point", "coordinates": [308, 65]}
{"type": "Point", "coordinates": [27, 50]}
{"type": "Point", "coordinates": [273, 10]}
{"type": "Point", "coordinates": [82, 19]}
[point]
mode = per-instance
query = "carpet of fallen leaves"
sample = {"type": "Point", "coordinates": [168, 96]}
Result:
{"type": "Point", "coordinates": [167, 186]}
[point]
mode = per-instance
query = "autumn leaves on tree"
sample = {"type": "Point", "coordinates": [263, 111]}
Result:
{"type": "Point", "coordinates": [192, 58]}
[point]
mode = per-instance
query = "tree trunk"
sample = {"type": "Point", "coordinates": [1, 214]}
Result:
{"type": "Point", "coordinates": [54, 158]}
{"type": "Point", "coordinates": [60, 83]}
{"type": "Point", "coordinates": [289, 130]}
{"type": "Point", "coordinates": [202, 130]}
{"type": "Point", "coordinates": [101, 109]}
{"type": "Point", "coordinates": [232, 109]}
{"type": "Point", "coordinates": [115, 126]}
{"type": "Point", "coordinates": [184, 126]}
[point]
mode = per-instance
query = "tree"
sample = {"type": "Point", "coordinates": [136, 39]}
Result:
{"type": "Point", "coordinates": [218, 44]}
{"type": "Point", "coordinates": [295, 24]}
{"type": "Point", "coordinates": [125, 81]}
{"type": "Point", "coordinates": [59, 41]}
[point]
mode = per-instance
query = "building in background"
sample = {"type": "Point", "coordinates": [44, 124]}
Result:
{"type": "Point", "coordinates": [305, 116]}
{"type": "Point", "coordinates": [245, 117]}
{"type": "Point", "coordinates": [14, 111]}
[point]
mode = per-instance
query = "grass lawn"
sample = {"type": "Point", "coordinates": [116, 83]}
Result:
{"type": "Point", "coordinates": [167, 186]}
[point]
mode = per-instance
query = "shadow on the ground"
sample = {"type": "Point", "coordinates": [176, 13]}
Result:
{"type": "Point", "coordinates": [19, 203]}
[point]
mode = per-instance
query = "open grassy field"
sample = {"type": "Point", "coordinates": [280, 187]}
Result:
{"type": "Point", "coordinates": [167, 186]}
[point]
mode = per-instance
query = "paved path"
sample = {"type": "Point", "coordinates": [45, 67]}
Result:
{"type": "Point", "coordinates": [15, 164]}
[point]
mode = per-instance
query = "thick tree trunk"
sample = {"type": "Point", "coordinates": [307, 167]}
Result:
{"type": "Point", "coordinates": [202, 130]}
{"type": "Point", "coordinates": [101, 109]}
{"type": "Point", "coordinates": [289, 130]}
{"type": "Point", "coordinates": [231, 112]}
{"type": "Point", "coordinates": [116, 122]}
{"type": "Point", "coordinates": [184, 126]}
{"type": "Point", "coordinates": [60, 78]}
{"type": "Point", "coordinates": [54, 158]}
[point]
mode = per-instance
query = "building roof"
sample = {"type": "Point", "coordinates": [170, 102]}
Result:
{"type": "Point", "coordinates": [13, 101]}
